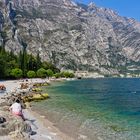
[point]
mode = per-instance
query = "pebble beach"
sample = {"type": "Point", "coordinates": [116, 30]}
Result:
{"type": "Point", "coordinates": [42, 128]}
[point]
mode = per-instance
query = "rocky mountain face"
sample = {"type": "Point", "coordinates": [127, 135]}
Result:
{"type": "Point", "coordinates": [72, 36]}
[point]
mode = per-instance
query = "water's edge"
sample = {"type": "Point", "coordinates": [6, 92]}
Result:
{"type": "Point", "coordinates": [71, 122]}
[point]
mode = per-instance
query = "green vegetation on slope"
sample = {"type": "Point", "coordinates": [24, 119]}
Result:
{"type": "Point", "coordinates": [26, 65]}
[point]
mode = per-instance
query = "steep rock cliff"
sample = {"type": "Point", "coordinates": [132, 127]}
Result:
{"type": "Point", "coordinates": [72, 36]}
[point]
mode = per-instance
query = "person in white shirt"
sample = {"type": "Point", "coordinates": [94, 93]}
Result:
{"type": "Point", "coordinates": [16, 109]}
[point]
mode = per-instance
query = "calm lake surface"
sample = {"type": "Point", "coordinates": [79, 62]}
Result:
{"type": "Point", "coordinates": [91, 109]}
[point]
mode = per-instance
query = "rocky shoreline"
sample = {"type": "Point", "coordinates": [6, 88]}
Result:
{"type": "Point", "coordinates": [35, 127]}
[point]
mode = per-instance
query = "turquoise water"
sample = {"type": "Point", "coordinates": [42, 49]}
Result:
{"type": "Point", "coordinates": [107, 109]}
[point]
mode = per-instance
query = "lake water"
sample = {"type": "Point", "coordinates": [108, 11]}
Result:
{"type": "Point", "coordinates": [92, 109]}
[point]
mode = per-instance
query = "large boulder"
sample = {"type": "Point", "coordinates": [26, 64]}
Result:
{"type": "Point", "coordinates": [14, 125]}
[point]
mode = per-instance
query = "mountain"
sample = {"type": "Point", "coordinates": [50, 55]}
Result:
{"type": "Point", "coordinates": [71, 35]}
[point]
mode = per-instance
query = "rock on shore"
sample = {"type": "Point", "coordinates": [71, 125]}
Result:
{"type": "Point", "coordinates": [14, 126]}
{"type": "Point", "coordinates": [35, 127]}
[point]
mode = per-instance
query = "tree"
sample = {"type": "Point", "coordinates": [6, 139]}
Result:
{"type": "Point", "coordinates": [32, 63]}
{"type": "Point", "coordinates": [9, 66]}
{"type": "Point", "coordinates": [2, 67]}
{"type": "Point", "coordinates": [20, 59]}
{"type": "Point", "coordinates": [11, 55]}
{"type": "Point", "coordinates": [67, 74]}
{"type": "Point", "coordinates": [23, 57]}
{"type": "Point", "coordinates": [9, 62]}
{"type": "Point", "coordinates": [2, 62]}
{"type": "Point", "coordinates": [57, 75]}
{"type": "Point", "coordinates": [31, 74]}
{"type": "Point", "coordinates": [17, 73]}
{"type": "Point", "coordinates": [48, 65]}
{"type": "Point", "coordinates": [71, 75]}
{"type": "Point", "coordinates": [49, 73]}
{"type": "Point", "coordinates": [38, 59]}
{"type": "Point", "coordinates": [42, 73]}
{"type": "Point", "coordinates": [24, 61]}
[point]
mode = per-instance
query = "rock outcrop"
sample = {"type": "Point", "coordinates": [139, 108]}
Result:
{"type": "Point", "coordinates": [13, 126]}
{"type": "Point", "coordinates": [72, 36]}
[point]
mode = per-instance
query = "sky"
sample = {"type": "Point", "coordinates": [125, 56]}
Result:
{"type": "Point", "coordinates": [128, 8]}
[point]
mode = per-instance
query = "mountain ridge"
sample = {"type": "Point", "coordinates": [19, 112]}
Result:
{"type": "Point", "coordinates": [70, 35]}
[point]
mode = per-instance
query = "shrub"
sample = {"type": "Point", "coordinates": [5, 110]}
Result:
{"type": "Point", "coordinates": [49, 73]}
{"type": "Point", "coordinates": [57, 75]}
{"type": "Point", "coordinates": [17, 73]}
{"type": "Point", "coordinates": [31, 74]}
{"type": "Point", "coordinates": [42, 73]}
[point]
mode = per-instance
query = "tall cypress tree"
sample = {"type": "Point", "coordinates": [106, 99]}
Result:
{"type": "Point", "coordinates": [20, 59]}
{"type": "Point", "coordinates": [3, 57]}
{"type": "Point", "coordinates": [2, 66]}
{"type": "Point", "coordinates": [31, 62]}
{"type": "Point", "coordinates": [24, 58]}
{"type": "Point", "coordinates": [38, 59]}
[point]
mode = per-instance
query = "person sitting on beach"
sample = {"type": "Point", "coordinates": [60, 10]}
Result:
{"type": "Point", "coordinates": [16, 109]}
{"type": "Point", "coordinates": [2, 87]}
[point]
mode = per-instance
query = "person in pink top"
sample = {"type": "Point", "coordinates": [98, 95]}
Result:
{"type": "Point", "coordinates": [16, 109]}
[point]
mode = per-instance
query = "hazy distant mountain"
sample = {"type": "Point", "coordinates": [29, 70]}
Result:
{"type": "Point", "coordinates": [72, 36]}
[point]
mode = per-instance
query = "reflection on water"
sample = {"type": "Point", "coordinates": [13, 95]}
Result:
{"type": "Point", "coordinates": [95, 108]}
